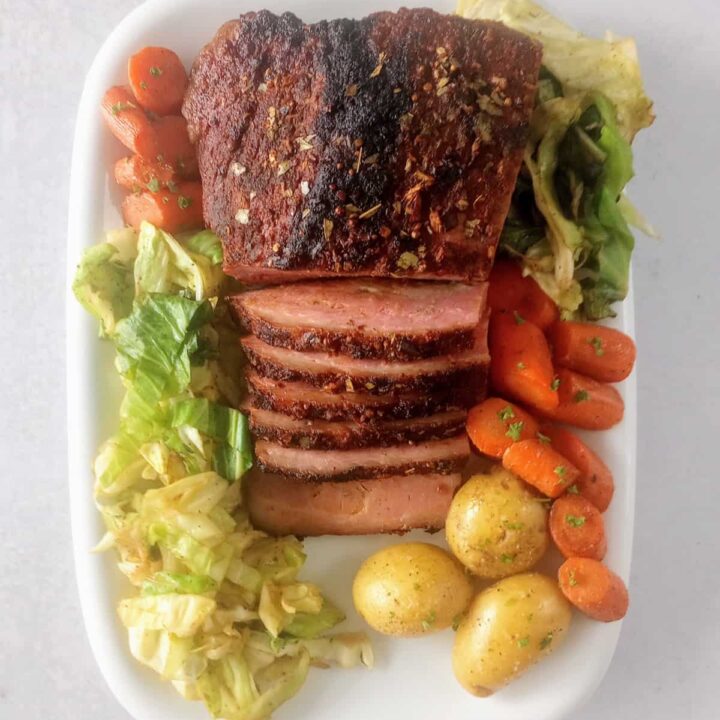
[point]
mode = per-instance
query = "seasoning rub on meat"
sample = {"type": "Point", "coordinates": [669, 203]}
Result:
{"type": "Point", "coordinates": [387, 146]}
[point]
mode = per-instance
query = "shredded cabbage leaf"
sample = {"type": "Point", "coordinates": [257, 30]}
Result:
{"type": "Point", "coordinates": [218, 607]}
{"type": "Point", "coordinates": [569, 219]}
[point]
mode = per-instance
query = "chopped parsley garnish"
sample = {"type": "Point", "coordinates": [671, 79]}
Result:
{"type": "Point", "coordinates": [545, 642]}
{"type": "Point", "coordinates": [184, 202]}
{"type": "Point", "coordinates": [544, 439]}
{"type": "Point", "coordinates": [513, 526]}
{"type": "Point", "coordinates": [572, 580]}
{"type": "Point", "coordinates": [507, 559]}
{"type": "Point", "coordinates": [523, 642]}
{"type": "Point", "coordinates": [581, 396]}
{"type": "Point", "coordinates": [573, 490]}
{"type": "Point", "coordinates": [596, 342]}
{"type": "Point", "coordinates": [120, 106]}
{"type": "Point", "coordinates": [519, 319]}
{"type": "Point", "coordinates": [560, 471]}
{"type": "Point", "coordinates": [575, 520]}
{"type": "Point", "coordinates": [456, 621]}
{"type": "Point", "coordinates": [156, 71]}
{"type": "Point", "coordinates": [506, 413]}
{"type": "Point", "coordinates": [514, 431]}
{"type": "Point", "coordinates": [143, 85]}
{"type": "Point", "coordinates": [153, 185]}
{"type": "Point", "coordinates": [521, 366]}
{"type": "Point", "coordinates": [428, 622]}
{"type": "Point", "coordinates": [555, 384]}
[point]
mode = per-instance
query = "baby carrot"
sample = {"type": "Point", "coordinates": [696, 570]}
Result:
{"type": "Point", "coordinates": [599, 352]}
{"type": "Point", "coordinates": [128, 123]}
{"type": "Point", "coordinates": [174, 146]}
{"type": "Point", "coordinates": [495, 424]}
{"type": "Point", "coordinates": [509, 291]}
{"type": "Point", "coordinates": [170, 211]}
{"type": "Point", "coordinates": [577, 528]}
{"type": "Point", "coordinates": [520, 365]}
{"type": "Point", "coordinates": [158, 79]}
{"type": "Point", "coordinates": [539, 465]}
{"type": "Point", "coordinates": [593, 589]}
{"type": "Point", "coordinates": [584, 402]}
{"type": "Point", "coordinates": [136, 173]}
{"type": "Point", "coordinates": [596, 481]}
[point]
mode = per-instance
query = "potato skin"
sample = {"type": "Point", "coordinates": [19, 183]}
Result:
{"type": "Point", "coordinates": [507, 628]}
{"type": "Point", "coordinates": [411, 589]}
{"type": "Point", "coordinates": [496, 526]}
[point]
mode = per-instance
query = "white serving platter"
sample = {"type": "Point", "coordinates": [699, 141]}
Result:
{"type": "Point", "coordinates": [412, 679]}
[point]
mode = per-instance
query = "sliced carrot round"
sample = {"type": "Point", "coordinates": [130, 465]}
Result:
{"type": "Point", "coordinates": [577, 528]}
{"type": "Point", "coordinates": [495, 424]}
{"type": "Point", "coordinates": [158, 79]}
{"type": "Point", "coordinates": [593, 589]}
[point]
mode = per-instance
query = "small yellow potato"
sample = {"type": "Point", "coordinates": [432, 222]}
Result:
{"type": "Point", "coordinates": [411, 589]}
{"type": "Point", "coordinates": [507, 628]}
{"type": "Point", "coordinates": [497, 525]}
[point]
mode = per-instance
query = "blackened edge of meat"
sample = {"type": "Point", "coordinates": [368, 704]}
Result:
{"type": "Point", "coordinates": [356, 345]}
{"type": "Point", "coordinates": [445, 466]}
{"type": "Point", "coordinates": [397, 408]}
{"type": "Point", "coordinates": [472, 379]}
{"type": "Point", "coordinates": [361, 436]}
{"type": "Point", "coordinates": [347, 54]}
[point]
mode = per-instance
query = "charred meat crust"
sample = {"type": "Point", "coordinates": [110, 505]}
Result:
{"type": "Point", "coordinates": [387, 146]}
{"type": "Point", "coordinates": [364, 319]}
{"type": "Point", "coordinates": [445, 466]}
{"type": "Point", "coordinates": [469, 380]}
{"type": "Point", "coordinates": [317, 436]}
{"type": "Point", "coordinates": [357, 345]}
{"type": "Point", "coordinates": [395, 407]}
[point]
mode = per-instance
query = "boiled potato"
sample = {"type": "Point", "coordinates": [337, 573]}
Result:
{"type": "Point", "coordinates": [411, 589]}
{"type": "Point", "coordinates": [509, 627]}
{"type": "Point", "coordinates": [496, 525]}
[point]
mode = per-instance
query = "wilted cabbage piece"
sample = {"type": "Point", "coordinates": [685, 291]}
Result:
{"type": "Point", "coordinates": [568, 221]}
{"type": "Point", "coordinates": [220, 610]}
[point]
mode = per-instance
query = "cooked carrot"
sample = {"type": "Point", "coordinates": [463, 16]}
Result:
{"type": "Point", "coordinates": [509, 291]}
{"type": "Point", "coordinates": [596, 481]}
{"type": "Point", "coordinates": [520, 365]}
{"type": "Point", "coordinates": [158, 79]}
{"type": "Point", "coordinates": [584, 402]}
{"type": "Point", "coordinates": [577, 528]}
{"type": "Point", "coordinates": [593, 589]}
{"type": "Point", "coordinates": [137, 174]}
{"type": "Point", "coordinates": [174, 146]}
{"type": "Point", "coordinates": [495, 424]}
{"type": "Point", "coordinates": [171, 211]}
{"type": "Point", "coordinates": [128, 123]}
{"type": "Point", "coordinates": [599, 352]}
{"type": "Point", "coordinates": [540, 466]}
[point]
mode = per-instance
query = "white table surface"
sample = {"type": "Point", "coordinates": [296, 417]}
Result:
{"type": "Point", "coordinates": [668, 662]}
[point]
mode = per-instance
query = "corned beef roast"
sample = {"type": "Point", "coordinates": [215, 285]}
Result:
{"type": "Point", "coordinates": [370, 163]}
{"type": "Point", "coordinates": [387, 146]}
